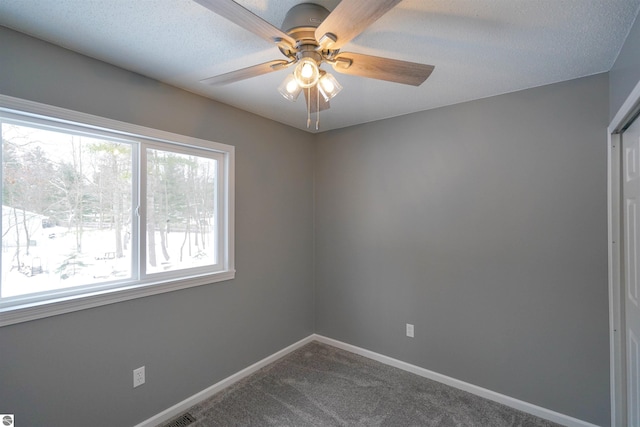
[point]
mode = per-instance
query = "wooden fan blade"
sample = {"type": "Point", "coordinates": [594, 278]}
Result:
{"type": "Point", "coordinates": [349, 19]}
{"type": "Point", "coordinates": [248, 20]}
{"type": "Point", "coordinates": [374, 67]}
{"type": "Point", "coordinates": [246, 73]}
{"type": "Point", "coordinates": [313, 95]}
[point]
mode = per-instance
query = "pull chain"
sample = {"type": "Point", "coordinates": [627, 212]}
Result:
{"type": "Point", "coordinates": [308, 107]}
{"type": "Point", "coordinates": [317, 107]}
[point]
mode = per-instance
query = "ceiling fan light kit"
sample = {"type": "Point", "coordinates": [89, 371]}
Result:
{"type": "Point", "coordinates": [311, 36]}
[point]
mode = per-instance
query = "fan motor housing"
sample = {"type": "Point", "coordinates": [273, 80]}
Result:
{"type": "Point", "coordinates": [302, 20]}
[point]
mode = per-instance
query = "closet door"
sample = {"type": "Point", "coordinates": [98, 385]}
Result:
{"type": "Point", "coordinates": [631, 230]}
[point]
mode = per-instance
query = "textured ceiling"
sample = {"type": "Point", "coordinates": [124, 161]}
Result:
{"type": "Point", "coordinates": [479, 48]}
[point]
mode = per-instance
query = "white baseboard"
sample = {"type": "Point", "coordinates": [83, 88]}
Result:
{"type": "Point", "coordinates": [520, 405]}
{"type": "Point", "coordinates": [473, 389]}
{"type": "Point", "coordinates": [183, 406]}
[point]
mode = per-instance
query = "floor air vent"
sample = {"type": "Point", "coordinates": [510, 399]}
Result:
{"type": "Point", "coordinates": [182, 421]}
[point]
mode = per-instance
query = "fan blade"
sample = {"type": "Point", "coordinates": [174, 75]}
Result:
{"type": "Point", "coordinates": [246, 73]}
{"type": "Point", "coordinates": [374, 67]}
{"type": "Point", "coordinates": [349, 19]}
{"type": "Point", "coordinates": [312, 95]}
{"type": "Point", "coordinates": [249, 21]}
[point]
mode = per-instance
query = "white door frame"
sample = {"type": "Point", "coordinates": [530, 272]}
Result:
{"type": "Point", "coordinates": [617, 355]}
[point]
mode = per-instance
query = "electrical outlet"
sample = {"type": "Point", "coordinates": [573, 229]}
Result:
{"type": "Point", "coordinates": [409, 330]}
{"type": "Point", "coordinates": [138, 376]}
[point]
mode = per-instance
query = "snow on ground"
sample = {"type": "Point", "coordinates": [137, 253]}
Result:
{"type": "Point", "coordinates": [96, 264]}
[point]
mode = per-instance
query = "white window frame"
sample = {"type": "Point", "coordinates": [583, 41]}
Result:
{"type": "Point", "coordinates": [63, 301]}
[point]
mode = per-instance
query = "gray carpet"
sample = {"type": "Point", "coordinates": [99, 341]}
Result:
{"type": "Point", "coordinates": [320, 385]}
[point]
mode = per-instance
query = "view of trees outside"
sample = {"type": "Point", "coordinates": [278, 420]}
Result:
{"type": "Point", "coordinates": [67, 210]}
{"type": "Point", "coordinates": [181, 209]}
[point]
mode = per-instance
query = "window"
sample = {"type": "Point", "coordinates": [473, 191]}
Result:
{"type": "Point", "coordinates": [96, 211]}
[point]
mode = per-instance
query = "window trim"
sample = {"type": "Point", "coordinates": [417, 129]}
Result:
{"type": "Point", "coordinates": [22, 312]}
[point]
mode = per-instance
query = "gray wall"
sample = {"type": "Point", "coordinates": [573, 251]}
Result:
{"type": "Point", "coordinates": [484, 224]}
{"type": "Point", "coordinates": [625, 73]}
{"type": "Point", "coordinates": [76, 369]}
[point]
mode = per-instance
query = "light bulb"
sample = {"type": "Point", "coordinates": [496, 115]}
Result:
{"type": "Point", "coordinates": [289, 88]}
{"type": "Point", "coordinates": [307, 73]}
{"type": "Point", "coordinates": [292, 86]}
{"type": "Point", "coordinates": [329, 86]}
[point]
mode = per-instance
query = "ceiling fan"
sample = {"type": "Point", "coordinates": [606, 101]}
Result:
{"type": "Point", "coordinates": [311, 36]}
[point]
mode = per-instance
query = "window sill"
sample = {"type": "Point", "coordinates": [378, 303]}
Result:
{"type": "Point", "coordinates": [53, 307]}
